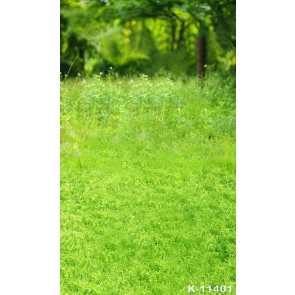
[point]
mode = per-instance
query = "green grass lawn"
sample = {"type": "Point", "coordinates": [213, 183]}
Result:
{"type": "Point", "coordinates": [147, 194]}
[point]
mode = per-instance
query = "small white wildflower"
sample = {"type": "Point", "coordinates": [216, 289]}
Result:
{"type": "Point", "coordinates": [79, 74]}
{"type": "Point", "coordinates": [110, 67]}
{"type": "Point", "coordinates": [205, 66]}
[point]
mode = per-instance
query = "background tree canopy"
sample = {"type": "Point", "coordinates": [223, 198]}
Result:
{"type": "Point", "coordinates": [147, 36]}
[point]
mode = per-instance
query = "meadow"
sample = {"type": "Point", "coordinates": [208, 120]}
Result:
{"type": "Point", "coordinates": [147, 193]}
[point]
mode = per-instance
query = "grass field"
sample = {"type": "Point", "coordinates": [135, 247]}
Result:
{"type": "Point", "coordinates": [147, 194]}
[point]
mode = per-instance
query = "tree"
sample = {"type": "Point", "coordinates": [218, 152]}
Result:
{"type": "Point", "coordinates": [206, 15]}
{"type": "Point", "coordinates": [113, 31]}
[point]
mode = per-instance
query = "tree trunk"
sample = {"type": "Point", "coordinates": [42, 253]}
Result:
{"type": "Point", "coordinates": [173, 33]}
{"type": "Point", "coordinates": [181, 33]}
{"type": "Point", "coordinates": [201, 53]}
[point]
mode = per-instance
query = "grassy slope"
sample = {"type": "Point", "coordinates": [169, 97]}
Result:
{"type": "Point", "coordinates": [147, 186]}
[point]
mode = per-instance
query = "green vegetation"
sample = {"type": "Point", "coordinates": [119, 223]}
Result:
{"type": "Point", "coordinates": [147, 185]}
{"type": "Point", "coordinates": [147, 36]}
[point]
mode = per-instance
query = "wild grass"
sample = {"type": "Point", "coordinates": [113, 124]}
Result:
{"type": "Point", "coordinates": [147, 185]}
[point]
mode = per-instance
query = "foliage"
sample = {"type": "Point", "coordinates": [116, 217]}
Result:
{"type": "Point", "coordinates": [145, 36]}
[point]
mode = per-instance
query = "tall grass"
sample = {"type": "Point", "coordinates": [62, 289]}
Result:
{"type": "Point", "coordinates": [147, 185]}
{"type": "Point", "coordinates": [162, 107]}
